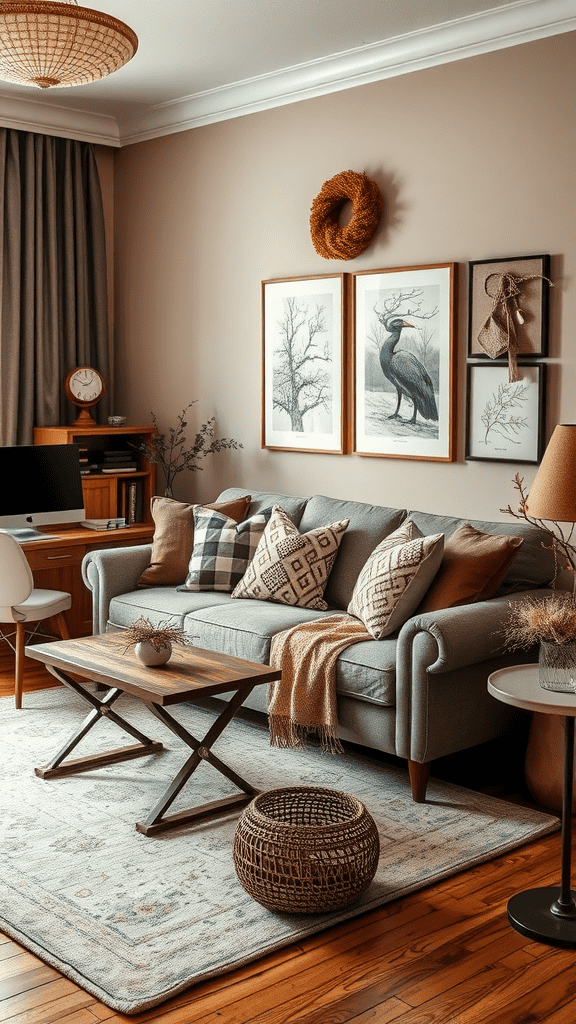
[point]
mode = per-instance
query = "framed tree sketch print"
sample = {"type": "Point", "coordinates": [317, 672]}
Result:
{"type": "Point", "coordinates": [404, 340]}
{"type": "Point", "coordinates": [505, 420]}
{"type": "Point", "coordinates": [303, 327]}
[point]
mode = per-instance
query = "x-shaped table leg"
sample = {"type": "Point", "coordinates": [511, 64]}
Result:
{"type": "Point", "coordinates": [158, 820]}
{"type": "Point", "coordinates": [100, 709]}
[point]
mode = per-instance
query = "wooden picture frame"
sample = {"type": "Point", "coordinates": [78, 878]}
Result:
{"type": "Point", "coordinates": [421, 362]}
{"type": "Point", "coordinates": [533, 302]}
{"type": "Point", "coordinates": [504, 420]}
{"type": "Point", "coordinates": [304, 381]}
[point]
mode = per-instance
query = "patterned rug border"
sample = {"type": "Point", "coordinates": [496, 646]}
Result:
{"type": "Point", "coordinates": [443, 798]}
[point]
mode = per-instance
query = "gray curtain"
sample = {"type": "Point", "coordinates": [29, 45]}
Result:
{"type": "Point", "coordinates": [53, 313]}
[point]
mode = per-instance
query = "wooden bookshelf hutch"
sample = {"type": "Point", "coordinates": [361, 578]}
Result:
{"type": "Point", "coordinates": [56, 562]}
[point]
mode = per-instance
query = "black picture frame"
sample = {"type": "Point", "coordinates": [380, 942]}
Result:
{"type": "Point", "coordinates": [505, 421]}
{"type": "Point", "coordinates": [532, 335]}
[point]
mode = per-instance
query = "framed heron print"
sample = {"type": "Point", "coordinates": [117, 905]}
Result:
{"type": "Point", "coordinates": [404, 362]}
{"type": "Point", "coordinates": [304, 386]}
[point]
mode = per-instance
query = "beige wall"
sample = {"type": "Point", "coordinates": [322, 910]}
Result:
{"type": "Point", "coordinates": [475, 160]}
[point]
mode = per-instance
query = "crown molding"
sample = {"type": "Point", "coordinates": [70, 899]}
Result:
{"type": "Point", "coordinates": [518, 22]}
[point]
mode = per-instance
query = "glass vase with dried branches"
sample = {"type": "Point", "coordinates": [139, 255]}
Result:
{"type": "Point", "coordinates": [173, 453]}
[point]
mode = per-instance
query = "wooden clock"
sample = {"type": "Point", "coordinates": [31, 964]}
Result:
{"type": "Point", "coordinates": [84, 387]}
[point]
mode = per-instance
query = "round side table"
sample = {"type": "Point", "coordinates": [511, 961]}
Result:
{"type": "Point", "coordinates": [547, 914]}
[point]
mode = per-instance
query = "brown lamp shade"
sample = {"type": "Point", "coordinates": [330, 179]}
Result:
{"type": "Point", "coordinates": [553, 493]}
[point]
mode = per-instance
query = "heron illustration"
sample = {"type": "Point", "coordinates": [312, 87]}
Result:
{"type": "Point", "coordinates": [408, 375]}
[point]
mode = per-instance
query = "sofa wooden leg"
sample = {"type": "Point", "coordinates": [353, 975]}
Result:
{"type": "Point", "coordinates": [419, 775]}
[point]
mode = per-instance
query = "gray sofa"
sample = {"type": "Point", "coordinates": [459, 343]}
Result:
{"type": "Point", "coordinates": [419, 694]}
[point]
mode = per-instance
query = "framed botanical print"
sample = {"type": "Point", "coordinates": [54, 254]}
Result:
{"type": "Point", "coordinates": [304, 360]}
{"type": "Point", "coordinates": [508, 295]}
{"type": "Point", "coordinates": [505, 420]}
{"type": "Point", "coordinates": [404, 362]}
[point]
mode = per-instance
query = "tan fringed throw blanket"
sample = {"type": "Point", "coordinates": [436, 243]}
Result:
{"type": "Point", "coordinates": [304, 699]}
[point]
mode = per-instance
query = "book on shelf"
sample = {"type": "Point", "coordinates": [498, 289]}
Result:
{"type": "Point", "coordinates": [117, 523]}
{"type": "Point", "coordinates": [131, 501]}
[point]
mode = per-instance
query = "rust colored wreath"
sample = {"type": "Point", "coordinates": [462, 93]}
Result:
{"type": "Point", "coordinates": [344, 243]}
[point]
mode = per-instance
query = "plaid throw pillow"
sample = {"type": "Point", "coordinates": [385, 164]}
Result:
{"type": "Point", "coordinates": [222, 549]}
{"type": "Point", "coordinates": [290, 567]}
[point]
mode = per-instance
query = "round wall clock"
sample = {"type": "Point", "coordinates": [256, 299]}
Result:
{"type": "Point", "coordinates": [84, 387]}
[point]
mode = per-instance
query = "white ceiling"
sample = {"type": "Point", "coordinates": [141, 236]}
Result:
{"type": "Point", "coordinates": [200, 61]}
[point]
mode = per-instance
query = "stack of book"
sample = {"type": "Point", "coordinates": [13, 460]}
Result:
{"type": "Point", "coordinates": [120, 461]}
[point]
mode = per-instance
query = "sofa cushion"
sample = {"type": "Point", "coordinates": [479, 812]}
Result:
{"type": "Point", "coordinates": [532, 567]}
{"type": "Point", "coordinates": [174, 534]}
{"type": "Point", "coordinates": [369, 524]}
{"type": "Point", "coordinates": [222, 549]}
{"type": "Point", "coordinates": [473, 566]}
{"type": "Point", "coordinates": [158, 604]}
{"type": "Point", "coordinates": [395, 578]}
{"type": "Point", "coordinates": [290, 567]}
{"type": "Point", "coordinates": [366, 671]}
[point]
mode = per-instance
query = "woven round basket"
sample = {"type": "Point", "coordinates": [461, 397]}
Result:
{"type": "Point", "coordinates": [305, 849]}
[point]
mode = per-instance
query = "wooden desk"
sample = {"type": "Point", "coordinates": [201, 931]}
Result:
{"type": "Point", "coordinates": [56, 564]}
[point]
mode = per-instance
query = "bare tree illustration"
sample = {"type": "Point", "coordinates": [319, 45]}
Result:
{"type": "Point", "coordinates": [498, 416]}
{"type": "Point", "coordinates": [301, 383]}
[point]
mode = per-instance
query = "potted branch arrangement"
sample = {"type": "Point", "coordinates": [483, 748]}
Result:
{"type": "Point", "coordinates": [549, 621]}
{"type": "Point", "coordinates": [171, 452]}
{"type": "Point", "coordinates": [153, 644]}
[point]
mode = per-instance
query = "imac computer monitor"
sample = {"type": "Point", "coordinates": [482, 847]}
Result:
{"type": "Point", "coordinates": [41, 486]}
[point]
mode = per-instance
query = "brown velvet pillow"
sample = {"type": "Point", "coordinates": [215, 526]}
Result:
{"type": "Point", "coordinates": [174, 537]}
{"type": "Point", "coordinates": [472, 569]}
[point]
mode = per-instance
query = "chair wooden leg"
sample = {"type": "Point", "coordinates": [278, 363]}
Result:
{"type": "Point", "coordinates": [62, 626]}
{"type": "Point", "coordinates": [19, 668]}
{"type": "Point", "coordinates": [419, 775]}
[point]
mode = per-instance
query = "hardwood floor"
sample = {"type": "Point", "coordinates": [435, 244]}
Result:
{"type": "Point", "coordinates": [444, 955]}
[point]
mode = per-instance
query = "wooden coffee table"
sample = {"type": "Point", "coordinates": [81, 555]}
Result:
{"type": "Point", "coordinates": [191, 672]}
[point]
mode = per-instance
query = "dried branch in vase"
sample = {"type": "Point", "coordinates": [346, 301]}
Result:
{"type": "Point", "coordinates": [560, 542]}
{"type": "Point", "coordinates": [142, 631]}
{"type": "Point", "coordinates": [533, 620]}
{"type": "Point", "coordinates": [172, 454]}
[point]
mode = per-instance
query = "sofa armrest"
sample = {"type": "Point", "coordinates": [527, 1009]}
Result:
{"type": "Point", "coordinates": [109, 572]}
{"type": "Point", "coordinates": [435, 644]}
{"type": "Point", "coordinates": [464, 635]}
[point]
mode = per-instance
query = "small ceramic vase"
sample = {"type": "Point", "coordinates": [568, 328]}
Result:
{"type": "Point", "coordinates": [557, 666]}
{"type": "Point", "coordinates": [150, 655]}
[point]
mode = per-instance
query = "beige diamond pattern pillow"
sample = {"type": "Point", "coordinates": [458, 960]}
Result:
{"type": "Point", "coordinates": [395, 579]}
{"type": "Point", "coordinates": [290, 567]}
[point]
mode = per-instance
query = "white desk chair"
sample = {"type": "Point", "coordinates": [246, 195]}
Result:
{"type": "Point", "coordinates": [22, 604]}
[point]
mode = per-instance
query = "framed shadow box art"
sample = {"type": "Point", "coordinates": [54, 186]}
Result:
{"type": "Point", "coordinates": [404, 362]}
{"type": "Point", "coordinates": [303, 338]}
{"type": "Point", "coordinates": [505, 419]}
{"type": "Point", "coordinates": [508, 301]}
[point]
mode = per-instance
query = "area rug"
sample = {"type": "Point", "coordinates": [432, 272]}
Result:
{"type": "Point", "coordinates": [133, 919]}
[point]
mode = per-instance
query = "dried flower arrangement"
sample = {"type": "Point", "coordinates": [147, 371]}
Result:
{"type": "Point", "coordinates": [561, 542]}
{"type": "Point", "coordinates": [142, 631]}
{"type": "Point", "coordinates": [169, 451]}
{"type": "Point", "coordinates": [535, 620]}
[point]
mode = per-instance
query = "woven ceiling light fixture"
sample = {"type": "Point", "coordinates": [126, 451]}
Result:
{"type": "Point", "coordinates": [59, 43]}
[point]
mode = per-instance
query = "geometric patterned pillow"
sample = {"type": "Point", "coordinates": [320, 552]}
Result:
{"type": "Point", "coordinates": [290, 567]}
{"type": "Point", "coordinates": [222, 549]}
{"type": "Point", "coordinates": [394, 581]}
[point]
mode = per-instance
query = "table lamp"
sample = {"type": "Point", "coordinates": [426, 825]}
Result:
{"type": "Point", "coordinates": [552, 496]}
